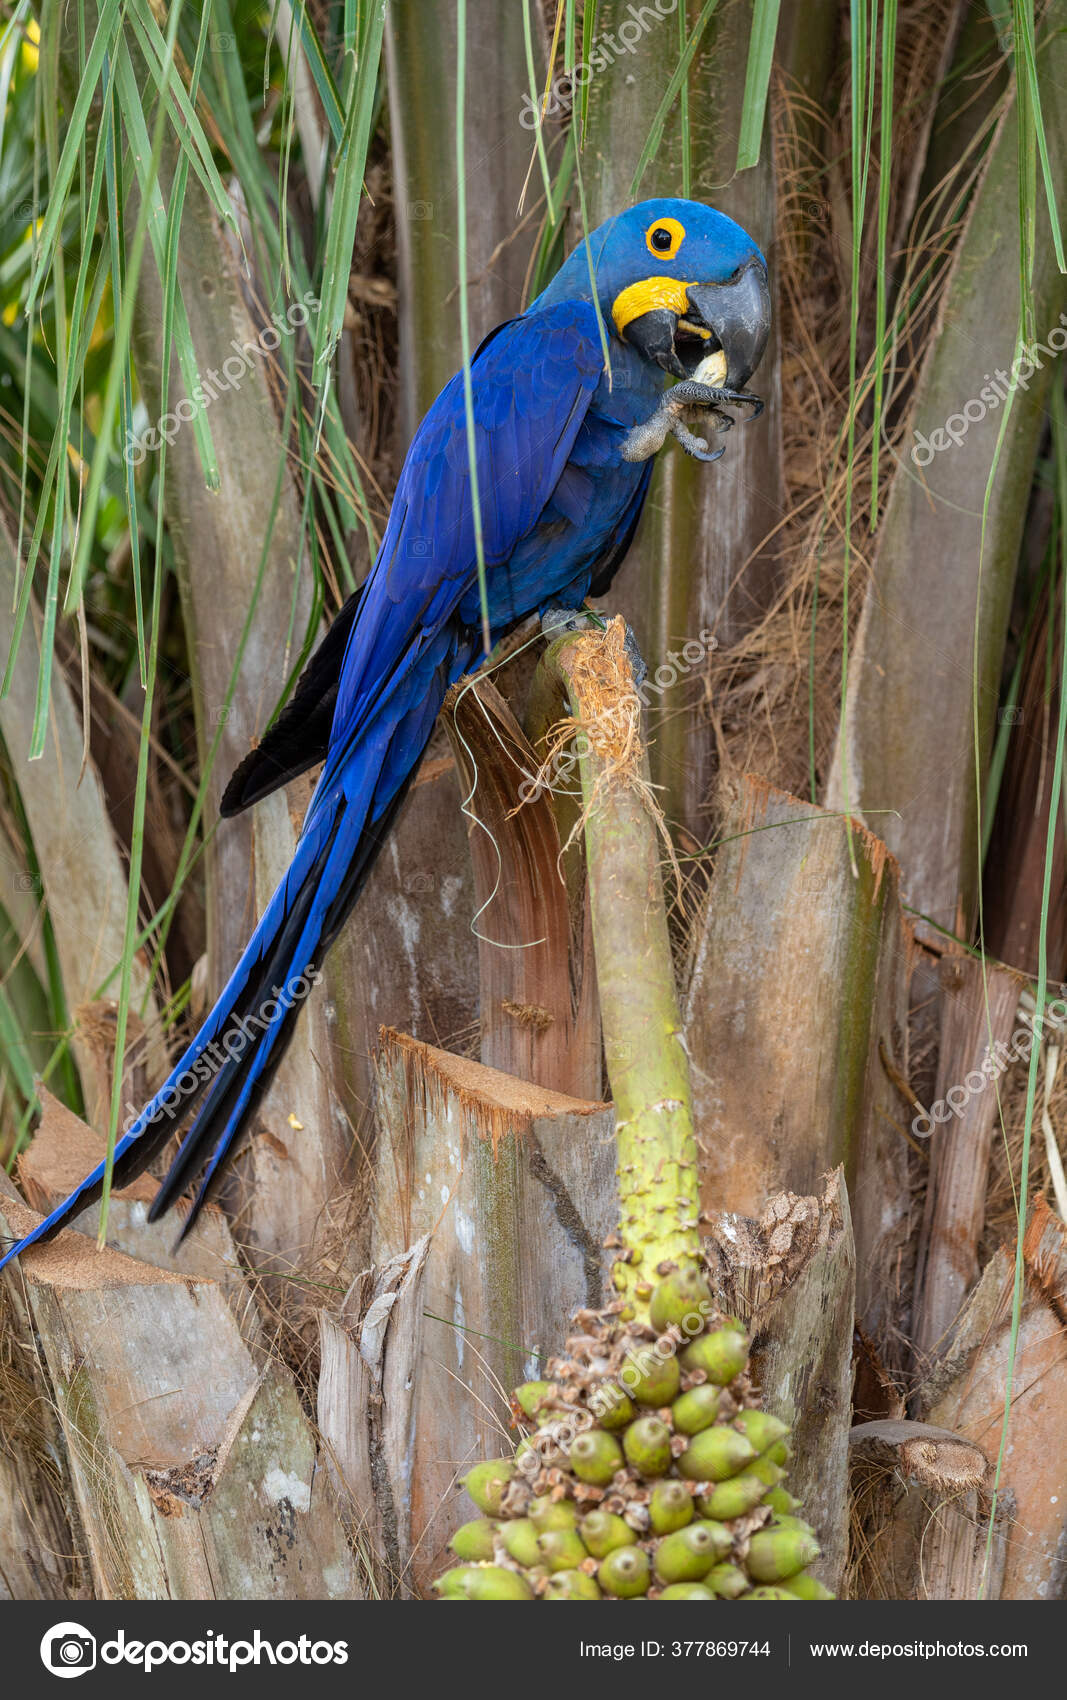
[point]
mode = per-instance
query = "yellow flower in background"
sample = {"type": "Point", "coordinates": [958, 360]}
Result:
{"type": "Point", "coordinates": [30, 53]}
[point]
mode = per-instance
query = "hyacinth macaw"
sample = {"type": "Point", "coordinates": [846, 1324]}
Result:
{"type": "Point", "coordinates": [681, 290]}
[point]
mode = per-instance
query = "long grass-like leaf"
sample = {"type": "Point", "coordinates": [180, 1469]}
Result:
{"type": "Point", "coordinates": [885, 183]}
{"type": "Point", "coordinates": [539, 106]}
{"type": "Point", "coordinates": [319, 67]}
{"type": "Point", "coordinates": [347, 189]}
{"type": "Point", "coordinates": [186, 126]}
{"type": "Point", "coordinates": [169, 275]}
{"type": "Point", "coordinates": [107, 32]}
{"type": "Point", "coordinates": [670, 94]}
{"type": "Point", "coordinates": [131, 104]}
{"type": "Point", "coordinates": [1024, 40]}
{"type": "Point", "coordinates": [757, 81]}
{"type": "Point", "coordinates": [464, 316]}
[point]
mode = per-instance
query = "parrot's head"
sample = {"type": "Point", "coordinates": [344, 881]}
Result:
{"type": "Point", "coordinates": [686, 287]}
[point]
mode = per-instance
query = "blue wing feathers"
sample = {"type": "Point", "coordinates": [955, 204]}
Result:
{"type": "Point", "coordinates": [555, 500]}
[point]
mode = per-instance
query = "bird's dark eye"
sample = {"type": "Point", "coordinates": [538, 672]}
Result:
{"type": "Point", "coordinates": [665, 237]}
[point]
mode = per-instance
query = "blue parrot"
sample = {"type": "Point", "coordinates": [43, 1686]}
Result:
{"type": "Point", "coordinates": [675, 282]}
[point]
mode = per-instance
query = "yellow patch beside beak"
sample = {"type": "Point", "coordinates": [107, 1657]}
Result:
{"type": "Point", "coordinates": [645, 297]}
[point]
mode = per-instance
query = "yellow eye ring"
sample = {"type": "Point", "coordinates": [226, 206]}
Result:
{"type": "Point", "coordinates": [655, 234]}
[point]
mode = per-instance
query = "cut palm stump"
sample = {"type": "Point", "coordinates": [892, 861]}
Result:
{"type": "Point", "coordinates": [943, 1536]}
{"type": "Point", "coordinates": [493, 1201]}
{"type": "Point", "coordinates": [648, 1468]}
{"type": "Point", "coordinates": [195, 1473]}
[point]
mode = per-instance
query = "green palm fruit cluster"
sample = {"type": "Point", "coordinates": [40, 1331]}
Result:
{"type": "Point", "coordinates": [647, 1471]}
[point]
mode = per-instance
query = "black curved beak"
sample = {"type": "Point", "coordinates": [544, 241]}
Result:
{"type": "Point", "coordinates": [734, 317]}
{"type": "Point", "coordinates": [738, 315]}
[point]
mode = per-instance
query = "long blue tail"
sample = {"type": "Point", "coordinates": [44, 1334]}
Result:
{"type": "Point", "coordinates": [224, 1072]}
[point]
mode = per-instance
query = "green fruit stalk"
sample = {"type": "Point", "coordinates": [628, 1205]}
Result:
{"type": "Point", "coordinates": [646, 1469]}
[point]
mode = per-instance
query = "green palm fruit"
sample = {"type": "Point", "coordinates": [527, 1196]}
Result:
{"type": "Point", "coordinates": [625, 1572]}
{"type": "Point", "coordinates": [530, 1396]}
{"type": "Point", "coordinates": [647, 1444]}
{"type": "Point", "coordinates": [786, 1521]}
{"type": "Point", "coordinates": [651, 1379]}
{"type": "Point", "coordinates": [612, 1407]}
{"type": "Point", "coordinates": [546, 1513]}
{"type": "Point", "coordinates": [696, 1409]}
{"type": "Point", "coordinates": [671, 1506]}
{"type": "Point", "coordinates": [486, 1483]}
{"type": "Point", "coordinates": [682, 1297]}
{"type": "Point", "coordinates": [804, 1586]}
{"type": "Point", "coordinates": [722, 1355]}
{"type": "Point", "coordinates": [715, 1454]}
{"type": "Point", "coordinates": [734, 1498]}
{"type": "Point", "coordinates": [769, 1474]}
{"type": "Point", "coordinates": [780, 1500]}
{"type": "Point", "coordinates": [774, 1554]}
{"type": "Point", "coordinates": [690, 1553]}
{"type": "Point", "coordinates": [726, 1582]}
{"type": "Point", "coordinates": [763, 1430]}
{"type": "Point", "coordinates": [561, 1549]}
{"type": "Point", "coordinates": [520, 1537]}
{"type": "Point", "coordinates": [553, 1513]}
{"type": "Point", "coordinates": [483, 1582]}
{"type": "Point", "coordinates": [473, 1542]}
{"type": "Point", "coordinates": [680, 1537]}
{"type": "Point", "coordinates": [595, 1456]}
{"type": "Point", "coordinates": [571, 1585]}
{"type": "Point", "coordinates": [603, 1532]}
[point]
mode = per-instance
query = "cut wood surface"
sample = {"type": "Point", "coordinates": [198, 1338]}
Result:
{"type": "Point", "coordinates": [42, 1553]}
{"type": "Point", "coordinates": [965, 1391]}
{"type": "Point", "coordinates": [798, 985]}
{"type": "Point", "coordinates": [195, 1471]}
{"type": "Point", "coordinates": [512, 1187]}
{"type": "Point", "coordinates": [63, 1151]}
{"type": "Point", "coordinates": [934, 1484]}
{"type": "Point", "coordinates": [539, 1013]}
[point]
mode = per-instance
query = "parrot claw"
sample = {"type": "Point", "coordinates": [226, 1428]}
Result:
{"type": "Point", "coordinates": [688, 403]}
{"type": "Point", "coordinates": [560, 622]}
{"type": "Point", "coordinates": [636, 659]}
